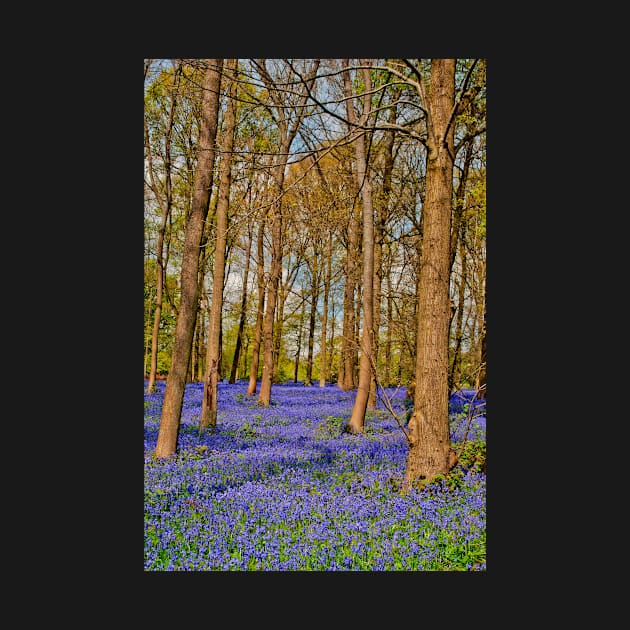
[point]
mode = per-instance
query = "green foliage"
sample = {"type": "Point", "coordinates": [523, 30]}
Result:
{"type": "Point", "coordinates": [247, 432]}
{"type": "Point", "coordinates": [332, 427]}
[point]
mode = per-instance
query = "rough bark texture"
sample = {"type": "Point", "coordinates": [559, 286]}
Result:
{"type": "Point", "coordinates": [175, 384]}
{"type": "Point", "coordinates": [428, 453]}
{"type": "Point", "coordinates": [213, 353]}
{"type": "Point", "coordinates": [357, 419]}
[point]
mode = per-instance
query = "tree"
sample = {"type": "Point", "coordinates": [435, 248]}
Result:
{"type": "Point", "coordinates": [175, 384]}
{"type": "Point", "coordinates": [429, 438]}
{"type": "Point", "coordinates": [288, 127]}
{"type": "Point", "coordinates": [165, 201]}
{"type": "Point", "coordinates": [243, 312]}
{"type": "Point", "coordinates": [357, 419]}
{"type": "Point", "coordinates": [211, 378]}
{"type": "Point", "coordinates": [253, 374]}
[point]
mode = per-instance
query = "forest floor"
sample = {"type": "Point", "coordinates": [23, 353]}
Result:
{"type": "Point", "coordinates": [284, 488]}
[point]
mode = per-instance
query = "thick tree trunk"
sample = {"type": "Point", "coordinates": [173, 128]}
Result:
{"type": "Point", "coordinates": [175, 384]}
{"type": "Point", "coordinates": [429, 436]}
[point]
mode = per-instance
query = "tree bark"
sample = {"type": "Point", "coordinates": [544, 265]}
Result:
{"type": "Point", "coordinates": [357, 419]}
{"type": "Point", "coordinates": [323, 375]}
{"type": "Point", "coordinates": [165, 205]}
{"type": "Point", "coordinates": [308, 379]}
{"type": "Point", "coordinates": [481, 379]}
{"type": "Point", "coordinates": [175, 384]}
{"type": "Point", "coordinates": [299, 341]}
{"type": "Point", "coordinates": [379, 231]}
{"type": "Point", "coordinates": [260, 264]}
{"type": "Point", "coordinates": [429, 435]}
{"type": "Point", "coordinates": [213, 354]}
{"type": "Point", "coordinates": [241, 323]}
{"type": "Point", "coordinates": [288, 132]}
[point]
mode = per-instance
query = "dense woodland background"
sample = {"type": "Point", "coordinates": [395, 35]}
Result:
{"type": "Point", "coordinates": [305, 184]}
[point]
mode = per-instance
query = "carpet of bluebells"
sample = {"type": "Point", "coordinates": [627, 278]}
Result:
{"type": "Point", "coordinates": [284, 488]}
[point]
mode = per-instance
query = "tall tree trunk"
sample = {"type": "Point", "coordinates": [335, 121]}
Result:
{"type": "Point", "coordinates": [429, 436]}
{"type": "Point", "coordinates": [323, 375]}
{"type": "Point", "coordinates": [213, 353]}
{"type": "Point", "coordinates": [357, 419]}
{"type": "Point", "coordinates": [201, 338]}
{"type": "Point", "coordinates": [331, 343]}
{"type": "Point", "coordinates": [241, 323]}
{"type": "Point", "coordinates": [308, 380]}
{"type": "Point", "coordinates": [299, 341]}
{"type": "Point", "coordinates": [264, 396]}
{"type": "Point", "coordinates": [346, 368]}
{"type": "Point", "coordinates": [278, 326]}
{"type": "Point", "coordinates": [379, 231]}
{"type": "Point", "coordinates": [388, 338]}
{"type": "Point", "coordinates": [165, 205]}
{"type": "Point", "coordinates": [481, 378]}
{"type": "Point", "coordinates": [288, 131]}
{"type": "Point", "coordinates": [175, 384]}
{"type": "Point", "coordinates": [260, 264]}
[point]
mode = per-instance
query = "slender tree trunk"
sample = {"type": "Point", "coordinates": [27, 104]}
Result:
{"type": "Point", "coordinates": [379, 231]}
{"type": "Point", "coordinates": [429, 436]}
{"type": "Point", "coordinates": [331, 343]}
{"type": "Point", "coordinates": [175, 384]}
{"type": "Point", "coordinates": [388, 338]}
{"type": "Point", "coordinates": [241, 323]}
{"type": "Point", "coordinates": [299, 341]}
{"type": "Point", "coordinates": [311, 323]}
{"type": "Point", "coordinates": [146, 354]}
{"type": "Point", "coordinates": [481, 378]}
{"type": "Point", "coordinates": [277, 331]}
{"type": "Point", "coordinates": [253, 375]}
{"type": "Point", "coordinates": [357, 419]}
{"type": "Point", "coordinates": [201, 339]}
{"type": "Point", "coordinates": [323, 375]}
{"type": "Point", "coordinates": [264, 396]}
{"type": "Point", "coordinates": [213, 353]}
{"type": "Point", "coordinates": [288, 131]}
{"type": "Point", "coordinates": [165, 205]}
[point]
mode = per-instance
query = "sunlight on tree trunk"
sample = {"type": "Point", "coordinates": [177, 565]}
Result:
{"type": "Point", "coordinates": [175, 384]}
